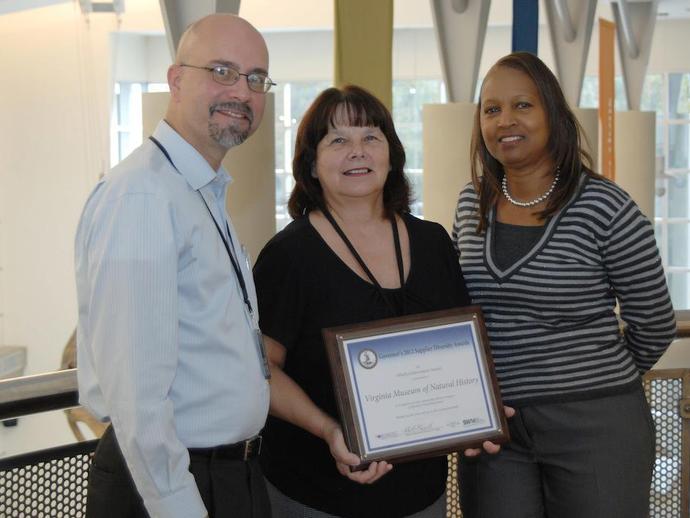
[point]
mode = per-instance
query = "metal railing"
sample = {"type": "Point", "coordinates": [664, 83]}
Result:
{"type": "Point", "coordinates": [39, 393]}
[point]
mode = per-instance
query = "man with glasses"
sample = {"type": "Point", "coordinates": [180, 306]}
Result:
{"type": "Point", "coordinates": [169, 349]}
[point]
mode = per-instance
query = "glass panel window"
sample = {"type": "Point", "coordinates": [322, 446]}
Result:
{"type": "Point", "coordinates": [669, 96]}
{"type": "Point", "coordinates": [416, 179]}
{"type": "Point", "coordinates": [280, 125]}
{"type": "Point", "coordinates": [678, 242]}
{"type": "Point", "coordinates": [291, 101]}
{"type": "Point", "coordinates": [680, 289]}
{"type": "Point", "coordinates": [658, 235]}
{"type": "Point", "coordinates": [411, 137]}
{"type": "Point", "coordinates": [621, 101]}
{"type": "Point", "coordinates": [661, 198]}
{"type": "Point", "coordinates": [678, 146]}
{"type": "Point", "coordinates": [653, 94]}
{"type": "Point", "coordinates": [678, 196]}
{"type": "Point", "coordinates": [409, 97]}
{"type": "Point", "coordinates": [303, 94]}
{"type": "Point", "coordinates": [126, 124]}
{"type": "Point", "coordinates": [660, 129]}
{"type": "Point", "coordinates": [589, 96]}
{"type": "Point", "coordinates": [126, 132]}
{"type": "Point", "coordinates": [679, 96]}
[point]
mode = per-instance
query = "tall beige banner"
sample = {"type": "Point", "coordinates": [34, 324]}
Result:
{"type": "Point", "coordinates": [607, 98]}
{"type": "Point", "coordinates": [364, 46]}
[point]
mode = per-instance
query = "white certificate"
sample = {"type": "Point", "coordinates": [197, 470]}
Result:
{"type": "Point", "coordinates": [416, 386]}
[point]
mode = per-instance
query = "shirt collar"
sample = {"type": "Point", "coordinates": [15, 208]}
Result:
{"type": "Point", "coordinates": [188, 161]}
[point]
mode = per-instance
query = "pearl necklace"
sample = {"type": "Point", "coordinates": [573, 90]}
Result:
{"type": "Point", "coordinates": [535, 201]}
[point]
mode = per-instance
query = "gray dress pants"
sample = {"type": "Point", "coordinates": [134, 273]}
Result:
{"type": "Point", "coordinates": [581, 459]}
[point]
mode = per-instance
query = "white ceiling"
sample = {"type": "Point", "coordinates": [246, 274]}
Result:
{"type": "Point", "coordinates": [318, 14]}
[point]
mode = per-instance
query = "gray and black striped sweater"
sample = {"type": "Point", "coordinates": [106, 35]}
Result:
{"type": "Point", "coordinates": [550, 316]}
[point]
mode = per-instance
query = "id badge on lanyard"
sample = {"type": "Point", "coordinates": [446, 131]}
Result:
{"type": "Point", "coordinates": [261, 349]}
{"type": "Point", "coordinates": [258, 335]}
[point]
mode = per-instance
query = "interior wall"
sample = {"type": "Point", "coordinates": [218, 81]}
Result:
{"type": "Point", "coordinates": [55, 98]}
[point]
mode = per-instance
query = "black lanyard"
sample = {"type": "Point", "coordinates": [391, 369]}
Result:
{"type": "Point", "coordinates": [353, 251]}
{"type": "Point", "coordinates": [235, 264]}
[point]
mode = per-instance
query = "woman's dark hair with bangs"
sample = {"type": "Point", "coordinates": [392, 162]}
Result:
{"type": "Point", "coordinates": [363, 109]}
{"type": "Point", "coordinates": [564, 144]}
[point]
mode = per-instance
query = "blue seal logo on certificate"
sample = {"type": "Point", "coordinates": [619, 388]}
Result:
{"type": "Point", "coordinates": [367, 358]}
{"type": "Point", "coordinates": [416, 386]}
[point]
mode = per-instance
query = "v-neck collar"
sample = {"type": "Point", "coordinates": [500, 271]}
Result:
{"type": "Point", "coordinates": [550, 226]}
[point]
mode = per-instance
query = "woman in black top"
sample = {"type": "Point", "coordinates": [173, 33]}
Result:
{"type": "Point", "coordinates": [350, 193]}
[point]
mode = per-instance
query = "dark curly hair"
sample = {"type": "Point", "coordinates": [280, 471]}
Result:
{"type": "Point", "coordinates": [363, 109]}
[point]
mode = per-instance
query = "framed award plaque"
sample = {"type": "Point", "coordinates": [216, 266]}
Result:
{"type": "Point", "coordinates": [416, 386]}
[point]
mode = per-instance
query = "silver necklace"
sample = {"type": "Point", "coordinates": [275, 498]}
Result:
{"type": "Point", "coordinates": [531, 203]}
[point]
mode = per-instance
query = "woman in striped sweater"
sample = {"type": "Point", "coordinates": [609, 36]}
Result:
{"type": "Point", "coordinates": [548, 248]}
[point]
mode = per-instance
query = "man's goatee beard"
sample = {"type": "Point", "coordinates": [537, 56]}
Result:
{"type": "Point", "coordinates": [227, 137]}
{"type": "Point", "coordinates": [230, 136]}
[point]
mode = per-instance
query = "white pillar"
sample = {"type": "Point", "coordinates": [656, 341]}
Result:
{"type": "Point", "coordinates": [635, 157]}
{"type": "Point", "coordinates": [570, 27]}
{"type": "Point", "coordinates": [447, 137]}
{"type": "Point", "coordinates": [460, 33]}
{"type": "Point", "coordinates": [635, 23]}
{"type": "Point", "coordinates": [251, 196]}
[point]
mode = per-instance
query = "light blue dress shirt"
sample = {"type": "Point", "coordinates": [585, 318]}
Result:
{"type": "Point", "coordinates": [166, 346]}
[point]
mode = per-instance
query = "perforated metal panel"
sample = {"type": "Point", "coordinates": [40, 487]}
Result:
{"type": "Point", "coordinates": [665, 392]}
{"type": "Point", "coordinates": [47, 484]}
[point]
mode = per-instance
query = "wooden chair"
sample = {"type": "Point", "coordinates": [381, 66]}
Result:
{"type": "Point", "coordinates": [79, 414]}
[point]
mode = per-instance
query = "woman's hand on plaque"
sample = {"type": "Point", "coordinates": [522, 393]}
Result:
{"type": "Point", "coordinates": [488, 446]}
{"type": "Point", "coordinates": [345, 459]}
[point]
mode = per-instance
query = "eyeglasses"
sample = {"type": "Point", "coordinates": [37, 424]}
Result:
{"type": "Point", "coordinates": [228, 76]}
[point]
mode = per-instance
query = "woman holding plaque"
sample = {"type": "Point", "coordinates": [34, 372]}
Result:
{"type": "Point", "coordinates": [352, 254]}
{"type": "Point", "coordinates": [549, 249]}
